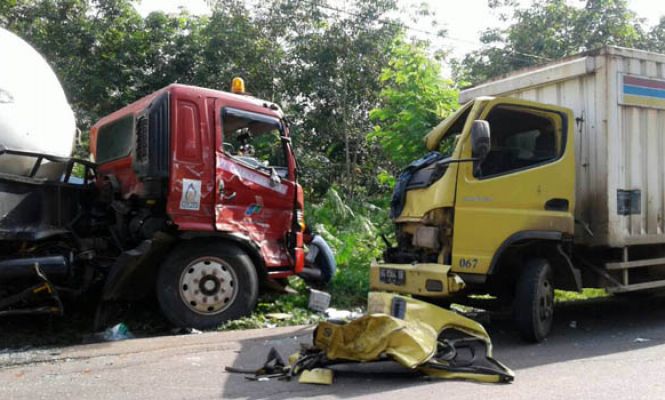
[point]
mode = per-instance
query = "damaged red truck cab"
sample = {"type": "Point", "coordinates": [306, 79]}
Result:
{"type": "Point", "coordinates": [208, 181]}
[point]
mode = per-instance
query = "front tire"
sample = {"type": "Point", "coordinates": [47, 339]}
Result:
{"type": "Point", "coordinates": [534, 301]}
{"type": "Point", "coordinates": [320, 259]}
{"type": "Point", "coordinates": [201, 285]}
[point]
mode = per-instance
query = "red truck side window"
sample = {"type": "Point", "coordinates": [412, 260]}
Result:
{"type": "Point", "coordinates": [114, 140]}
{"type": "Point", "coordinates": [189, 144]}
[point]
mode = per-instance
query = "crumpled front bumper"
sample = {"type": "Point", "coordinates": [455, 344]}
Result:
{"type": "Point", "coordinates": [464, 349]}
{"type": "Point", "coordinates": [428, 280]}
{"type": "Point", "coordinates": [418, 335]}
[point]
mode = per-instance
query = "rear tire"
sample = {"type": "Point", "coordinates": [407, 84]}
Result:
{"type": "Point", "coordinates": [201, 285]}
{"type": "Point", "coordinates": [534, 301]}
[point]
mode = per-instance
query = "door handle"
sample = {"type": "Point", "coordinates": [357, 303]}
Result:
{"type": "Point", "coordinates": [221, 191]}
{"type": "Point", "coordinates": [557, 205]}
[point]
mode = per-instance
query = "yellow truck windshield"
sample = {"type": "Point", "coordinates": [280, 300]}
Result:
{"type": "Point", "coordinates": [441, 138]}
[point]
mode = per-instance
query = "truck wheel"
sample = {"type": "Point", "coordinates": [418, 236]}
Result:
{"type": "Point", "coordinates": [534, 301]}
{"type": "Point", "coordinates": [202, 285]}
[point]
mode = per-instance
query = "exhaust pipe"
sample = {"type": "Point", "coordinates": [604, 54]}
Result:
{"type": "Point", "coordinates": [311, 274]}
{"type": "Point", "coordinates": [54, 267]}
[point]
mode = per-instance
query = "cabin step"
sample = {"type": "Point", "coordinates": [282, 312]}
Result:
{"type": "Point", "coordinates": [637, 286]}
{"type": "Point", "coordinates": [635, 264]}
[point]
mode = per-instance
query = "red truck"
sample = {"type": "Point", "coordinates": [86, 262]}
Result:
{"type": "Point", "coordinates": [193, 193]}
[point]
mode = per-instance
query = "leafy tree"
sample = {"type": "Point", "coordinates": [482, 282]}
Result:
{"type": "Point", "coordinates": [320, 62]}
{"type": "Point", "coordinates": [414, 99]}
{"type": "Point", "coordinates": [328, 82]}
{"type": "Point", "coordinates": [172, 48]}
{"type": "Point", "coordinates": [609, 22]}
{"type": "Point", "coordinates": [548, 30]}
{"type": "Point", "coordinates": [656, 37]}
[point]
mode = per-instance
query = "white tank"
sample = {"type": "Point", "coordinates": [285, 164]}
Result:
{"type": "Point", "coordinates": [34, 113]}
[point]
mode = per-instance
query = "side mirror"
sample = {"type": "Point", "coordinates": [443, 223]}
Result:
{"type": "Point", "coordinates": [480, 139]}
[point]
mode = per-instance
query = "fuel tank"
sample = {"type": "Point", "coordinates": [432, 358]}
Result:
{"type": "Point", "coordinates": [34, 113]}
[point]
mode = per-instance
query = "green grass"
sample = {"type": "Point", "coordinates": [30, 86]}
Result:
{"type": "Point", "coordinates": [263, 317]}
{"type": "Point", "coordinates": [273, 310]}
{"type": "Point", "coordinates": [348, 290]}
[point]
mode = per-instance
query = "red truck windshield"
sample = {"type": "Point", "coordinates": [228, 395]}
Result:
{"type": "Point", "coordinates": [255, 140]}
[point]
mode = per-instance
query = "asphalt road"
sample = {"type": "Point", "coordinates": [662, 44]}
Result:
{"type": "Point", "coordinates": [607, 349]}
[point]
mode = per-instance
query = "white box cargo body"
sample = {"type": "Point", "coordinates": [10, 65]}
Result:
{"type": "Point", "coordinates": [618, 99]}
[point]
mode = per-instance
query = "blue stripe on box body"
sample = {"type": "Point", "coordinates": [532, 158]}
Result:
{"type": "Point", "coordinates": [643, 91]}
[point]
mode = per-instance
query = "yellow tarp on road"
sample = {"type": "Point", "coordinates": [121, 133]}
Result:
{"type": "Point", "coordinates": [368, 338]}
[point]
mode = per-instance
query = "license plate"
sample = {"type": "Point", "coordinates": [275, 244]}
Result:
{"type": "Point", "coordinates": [392, 276]}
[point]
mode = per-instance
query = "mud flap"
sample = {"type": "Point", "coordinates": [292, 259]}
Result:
{"type": "Point", "coordinates": [135, 268]}
{"type": "Point", "coordinates": [132, 276]}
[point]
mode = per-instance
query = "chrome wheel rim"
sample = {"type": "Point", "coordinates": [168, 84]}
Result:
{"type": "Point", "coordinates": [208, 286]}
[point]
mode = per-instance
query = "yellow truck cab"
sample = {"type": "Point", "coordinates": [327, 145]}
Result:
{"type": "Point", "coordinates": [495, 207]}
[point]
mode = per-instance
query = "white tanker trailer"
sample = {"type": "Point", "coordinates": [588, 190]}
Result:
{"type": "Point", "coordinates": [35, 116]}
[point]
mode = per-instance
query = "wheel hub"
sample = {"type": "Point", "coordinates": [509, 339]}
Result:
{"type": "Point", "coordinates": [208, 286]}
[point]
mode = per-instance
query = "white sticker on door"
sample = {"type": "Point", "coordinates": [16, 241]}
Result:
{"type": "Point", "coordinates": [191, 194]}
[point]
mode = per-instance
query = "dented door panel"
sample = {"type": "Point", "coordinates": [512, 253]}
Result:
{"type": "Point", "coordinates": [252, 201]}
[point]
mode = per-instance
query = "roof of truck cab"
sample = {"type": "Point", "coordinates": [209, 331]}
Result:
{"type": "Point", "coordinates": [244, 101]}
{"type": "Point", "coordinates": [180, 89]}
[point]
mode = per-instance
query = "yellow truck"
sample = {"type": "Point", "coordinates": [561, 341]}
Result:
{"type": "Point", "coordinates": [550, 177]}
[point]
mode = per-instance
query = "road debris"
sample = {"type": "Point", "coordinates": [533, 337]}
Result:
{"type": "Point", "coordinates": [419, 336]}
{"type": "Point", "coordinates": [317, 376]}
{"type": "Point", "coordinates": [279, 316]}
{"type": "Point", "coordinates": [342, 315]}
{"type": "Point", "coordinates": [185, 331]}
{"type": "Point", "coordinates": [117, 332]}
{"type": "Point", "coordinates": [274, 367]}
{"type": "Point", "coordinates": [641, 340]}
{"type": "Point", "coordinates": [318, 300]}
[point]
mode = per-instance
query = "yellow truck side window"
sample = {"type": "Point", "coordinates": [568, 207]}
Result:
{"type": "Point", "coordinates": [520, 139]}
